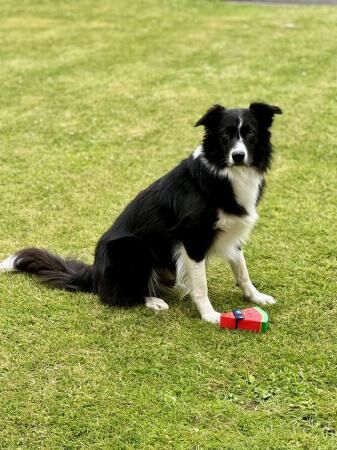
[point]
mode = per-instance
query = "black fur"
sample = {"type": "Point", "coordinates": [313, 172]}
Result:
{"type": "Point", "coordinates": [179, 208]}
{"type": "Point", "coordinates": [62, 273]}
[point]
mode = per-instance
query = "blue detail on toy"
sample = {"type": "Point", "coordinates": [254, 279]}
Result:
{"type": "Point", "coordinates": [238, 314]}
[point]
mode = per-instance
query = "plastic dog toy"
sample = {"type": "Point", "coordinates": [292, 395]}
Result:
{"type": "Point", "coordinates": [248, 319]}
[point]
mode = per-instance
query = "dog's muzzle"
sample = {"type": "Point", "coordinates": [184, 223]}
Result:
{"type": "Point", "coordinates": [238, 154]}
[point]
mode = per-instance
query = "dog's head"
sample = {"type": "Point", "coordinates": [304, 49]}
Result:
{"type": "Point", "coordinates": [238, 137]}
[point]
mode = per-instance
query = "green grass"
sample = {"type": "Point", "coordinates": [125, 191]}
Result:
{"type": "Point", "coordinates": [98, 99]}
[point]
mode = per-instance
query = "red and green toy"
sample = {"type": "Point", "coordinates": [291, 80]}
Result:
{"type": "Point", "coordinates": [248, 319]}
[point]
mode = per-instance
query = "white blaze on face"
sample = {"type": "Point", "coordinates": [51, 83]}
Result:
{"type": "Point", "coordinates": [239, 150]}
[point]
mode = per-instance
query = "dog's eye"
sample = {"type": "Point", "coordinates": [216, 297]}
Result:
{"type": "Point", "coordinates": [228, 132]}
{"type": "Point", "coordinates": [247, 131]}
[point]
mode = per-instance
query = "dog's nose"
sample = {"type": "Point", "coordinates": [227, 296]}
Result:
{"type": "Point", "coordinates": [238, 157]}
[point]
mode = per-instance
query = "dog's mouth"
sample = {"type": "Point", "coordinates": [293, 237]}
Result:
{"type": "Point", "coordinates": [238, 164]}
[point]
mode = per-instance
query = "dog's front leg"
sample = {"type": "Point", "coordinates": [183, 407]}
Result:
{"type": "Point", "coordinates": [241, 275]}
{"type": "Point", "coordinates": [196, 273]}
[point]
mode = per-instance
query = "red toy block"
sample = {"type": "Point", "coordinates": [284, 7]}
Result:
{"type": "Point", "coordinates": [227, 320]}
{"type": "Point", "coordinates": [248, 319]}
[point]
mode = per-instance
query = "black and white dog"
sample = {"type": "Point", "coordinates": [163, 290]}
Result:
{"type": "Point", "coordinates": [205, 205]}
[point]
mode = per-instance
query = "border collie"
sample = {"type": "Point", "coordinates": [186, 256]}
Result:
{"type": "Point", "coordinates": [206, 205]}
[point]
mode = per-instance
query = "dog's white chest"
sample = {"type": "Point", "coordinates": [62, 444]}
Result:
{"type": "Point", "coordinates": [232, 224]}
{"type": "Point", "coordinates": [232, 232]}
{"type": "Point", "coordinates": [235, 229]}
{"type": "Point", "coordinates": [246, 183]}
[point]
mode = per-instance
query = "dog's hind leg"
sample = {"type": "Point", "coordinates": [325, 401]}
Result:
{"type": "Point", "coordinates": [124, 268]}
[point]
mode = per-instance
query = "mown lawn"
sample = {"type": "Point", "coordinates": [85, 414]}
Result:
{"type": "Point", "coordinates": [98, 99]}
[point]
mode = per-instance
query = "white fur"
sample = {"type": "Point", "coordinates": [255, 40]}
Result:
{"type": "Point", "coordinates": [239, 147]}
{"type": "Point", "coordinates": [182, 283]}
{"type": "Point", "coordinates": [156, 303]}
{"type": "Point", "coordinates": [197, 152]}
{"type": "Point", "coordinates": [242, 278]}
{"type": "Point", "coordinates": [7, 265]}
{"type": "Point", "coordinates": [246, 182]}
{"type": "Point", "coordinates": [211, 167]}
{"type": "Point", "coordinates": [235, 229]}
{"type": "Point", "coordinates": [194, 278]}
{"type": "Point", "coordinates": [153, 284]}
{"type": "Point", "coordinates": [240, 122]}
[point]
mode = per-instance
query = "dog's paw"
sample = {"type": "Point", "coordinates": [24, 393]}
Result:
{"type": "Point", "coordinates": [212, 317]}
{"type": "Point", "coordinates": [262, 299]}
{"type": "Point", "coordinates": [156, 303]}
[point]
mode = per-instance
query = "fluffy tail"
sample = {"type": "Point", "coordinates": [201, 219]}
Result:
{"type": "Point", "coordinates": [52, 269]}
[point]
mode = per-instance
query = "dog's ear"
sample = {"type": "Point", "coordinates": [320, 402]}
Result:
{"type": "Point", "coordinates": [264, 112]}
{"type": "Point", "coordinates": [212, 117]}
